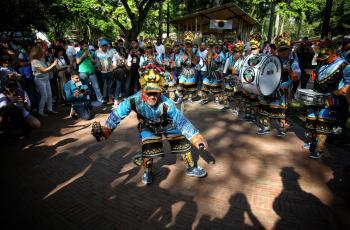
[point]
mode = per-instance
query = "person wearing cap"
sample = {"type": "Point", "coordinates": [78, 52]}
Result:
{"type": "Point", "coordinates": [334, 84]}
{"type": "Point", "coordinates": [233, 88]}
{"type": "Point", "coordinates": [158, 118]}
{"type": "Point", "coordinates": [104, 62]}
{"type": "Point", "coordinates": [213, 80]}
{"type": "Point", "coordinates": [275, 106]}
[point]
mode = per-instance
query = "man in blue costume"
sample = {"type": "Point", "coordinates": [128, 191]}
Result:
{"type": "Point", "coordinates": [158, 117]}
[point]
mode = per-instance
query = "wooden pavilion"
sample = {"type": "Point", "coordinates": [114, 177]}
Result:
{"type": "Point", "coordinates": [199, 23]}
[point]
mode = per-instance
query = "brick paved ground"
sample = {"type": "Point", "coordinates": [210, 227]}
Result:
{"type": "Point", "coordinates": [61, 178]}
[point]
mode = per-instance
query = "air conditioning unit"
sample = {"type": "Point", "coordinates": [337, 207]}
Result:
{"type": "Point", "coordinates": [220, 24]}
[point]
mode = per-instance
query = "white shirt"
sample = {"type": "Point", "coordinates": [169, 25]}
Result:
{"type": "Point", "coordinates": [160, 49]}
{"type": "Point", "coordinates": [117, 58]}
{"type": "Point", "coordinates": [70, 51]}
{"type": "Point", "coordinates": [105, 60]}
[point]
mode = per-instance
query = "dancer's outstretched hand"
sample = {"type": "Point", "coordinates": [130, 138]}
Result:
{"type": "Point", "coordinates": [199, 142]}
{"type": "Point", "coordinates": [100, 132]}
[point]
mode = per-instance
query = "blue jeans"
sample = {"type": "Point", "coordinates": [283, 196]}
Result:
{"type": "Point", "coordinates": [122, 86]}
{"type": "Point", "coordinates": [82, 109]}
{"type": "Point", "coordinates": [85, 78]}
{"type": "Point", "coordinates": [107, 78]}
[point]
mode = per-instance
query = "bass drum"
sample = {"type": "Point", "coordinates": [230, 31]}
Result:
{"type": "Point", "coordinates": [261, 74]}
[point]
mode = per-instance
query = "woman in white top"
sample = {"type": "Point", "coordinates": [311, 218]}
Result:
{"type": "Point", "coordinates": [42, 79]}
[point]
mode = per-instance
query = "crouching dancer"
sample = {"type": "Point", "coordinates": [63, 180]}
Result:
{"type": "Point", "coordinates": [158, 117]}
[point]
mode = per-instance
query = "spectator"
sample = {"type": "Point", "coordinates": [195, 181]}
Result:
{"type": "Point", "coordinates": [122, 81]}
{"type": "Point", "coordinates": [141, 42]}
{"type": "Point", "coordinates": [305, 55]}
{"type": "Point", "coordinates": [26, 71]}
{"type": "Point", "coordinates": [273, 49]}
{"type": "Point", "coordinates": [70, 52]}
{"type": "Point", "coordinates": [7, 73]}
{"type": "Point", "coordinates": [86, 61]}
{"type": "Point", "coordinates": [160, 49]}
{"type": "Point", "coordinates": [133, 64]}
{"type": "Point", "coordinates": [104, 58]}
{"type": "Point", "coordinates": [121, 48]}
{"type": "Point", "coordinates": [42, 80]}
{"type": "Point", "coordinates": [63, 68]}
{"type": "Point", "coordinates": [266, 48]}
{"type": "Point", "coordinates": [14, 110]}
{"type": "Point", "coordinates": [78, 94]}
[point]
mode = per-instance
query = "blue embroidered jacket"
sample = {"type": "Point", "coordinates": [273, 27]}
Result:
{"type": "Point", "coordinates": [152, 113]}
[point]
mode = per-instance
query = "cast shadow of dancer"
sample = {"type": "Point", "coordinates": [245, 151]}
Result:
{"type": "Point", "coordinates": [298, 209]}
{"type": "Point", "coordinates": [234, 218]}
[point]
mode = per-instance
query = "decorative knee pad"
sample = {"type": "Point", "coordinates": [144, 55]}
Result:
{"type": "Point", "coordinates": [152, 148]}
{"type": "Point", "coordinates": [179, 145]}
{"type": "Point", "coordinates": [187, 157]}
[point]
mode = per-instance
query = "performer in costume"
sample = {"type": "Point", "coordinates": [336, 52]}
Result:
{"type": "Point", "coordinates": [168, 63]}
{"type": "Point", "coordinates": [159, 118]}
{"type": "Point", "coordinates": [213, 81]}
{"type": "Point", "coordinates": [149, 59]}
{"type": "Point", "coordinates": [187, 87]}
{"type": "Point", "coordinates": [333, 80]}
{"type": "Point", "coordinates": [275, 106]}
{"type": "Point", "coordinates": [251, 101]}
{"type": "Point", "coordinates": [233, 86]}
{"type": "Point", "coordinates": [201, 67]}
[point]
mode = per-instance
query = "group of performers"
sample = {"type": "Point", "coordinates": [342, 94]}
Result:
{"type": "Point", "coordinates": [185, 73]}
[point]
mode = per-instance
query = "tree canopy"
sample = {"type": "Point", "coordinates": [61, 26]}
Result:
{"type": "Point", "coordinates": [93, 18]}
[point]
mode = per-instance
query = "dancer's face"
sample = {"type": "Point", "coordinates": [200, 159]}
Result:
{"type": "Point", "coordinates": [152, 98]}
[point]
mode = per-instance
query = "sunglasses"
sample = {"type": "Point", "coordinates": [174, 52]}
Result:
{"type": "Point", "coordinates": [154, 94]}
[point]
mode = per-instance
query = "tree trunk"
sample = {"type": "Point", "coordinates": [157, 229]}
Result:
{"type": "Point", "coordinates": [272, 20]}
{"type": "Point", "coordinates": [300, 21]}
{"type": "Point", "coordinates": [160, 33]}
{"type": "Point", "coordinates": [167, 19]}
{"type": "Point", "coordinates": [326, 19]}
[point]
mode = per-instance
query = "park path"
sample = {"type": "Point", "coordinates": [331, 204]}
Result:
{"type": "Point", "coordinates": [61, 178]}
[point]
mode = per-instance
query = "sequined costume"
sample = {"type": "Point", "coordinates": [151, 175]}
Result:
{"type": "Point", "coordinates": [167, 61]}
{"type": "Point", "coordinates": [275, 106]}
{"type": "Point", "coordinates": [156, 123]}
{"type": "Point", "coordinates": [233, 87]}
{"type": "Point", "coordinates": [188, 58]}
{"type": "Point", "coordinates": [213, 80]}
{"type": "Point", "coordinates": [320, 119]}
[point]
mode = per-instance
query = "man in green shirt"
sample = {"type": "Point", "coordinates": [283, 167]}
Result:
{"type": "Point", "coordinates": [86, 61]}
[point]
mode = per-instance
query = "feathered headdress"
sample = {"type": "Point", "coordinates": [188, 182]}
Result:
{"type": "Point", "coordinates": [255, 41]}
{"type": "Point", "coordinates": [239, 47]}
{"type": "Point", "coordinates": [152, 81]}
{"type": "Point", "coordinates": [188, 37]}
{"type": "Point", "coordinates": [211, 40]}
{"type": "Point", "coordinates": [168, 43]}
{"type": "Point", "coordinates": [282, 41]}
{"type": "Point", "coordinates": [148, 42]}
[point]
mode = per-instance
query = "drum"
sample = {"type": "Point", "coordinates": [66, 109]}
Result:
{"type": "Point", "coordinates": [310, 97]}
{"type": "Point", "coordinates": [261, 74]}
{"type": "Point", "coordinates": [326, 72]}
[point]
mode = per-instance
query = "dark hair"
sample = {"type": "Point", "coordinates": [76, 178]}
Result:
{"type": "Point", "coordinates": [74, 72]}
{"type": "Point", "coordinates": [273, 46]}
{"type": "Point", "coordinates": [11, 86]}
